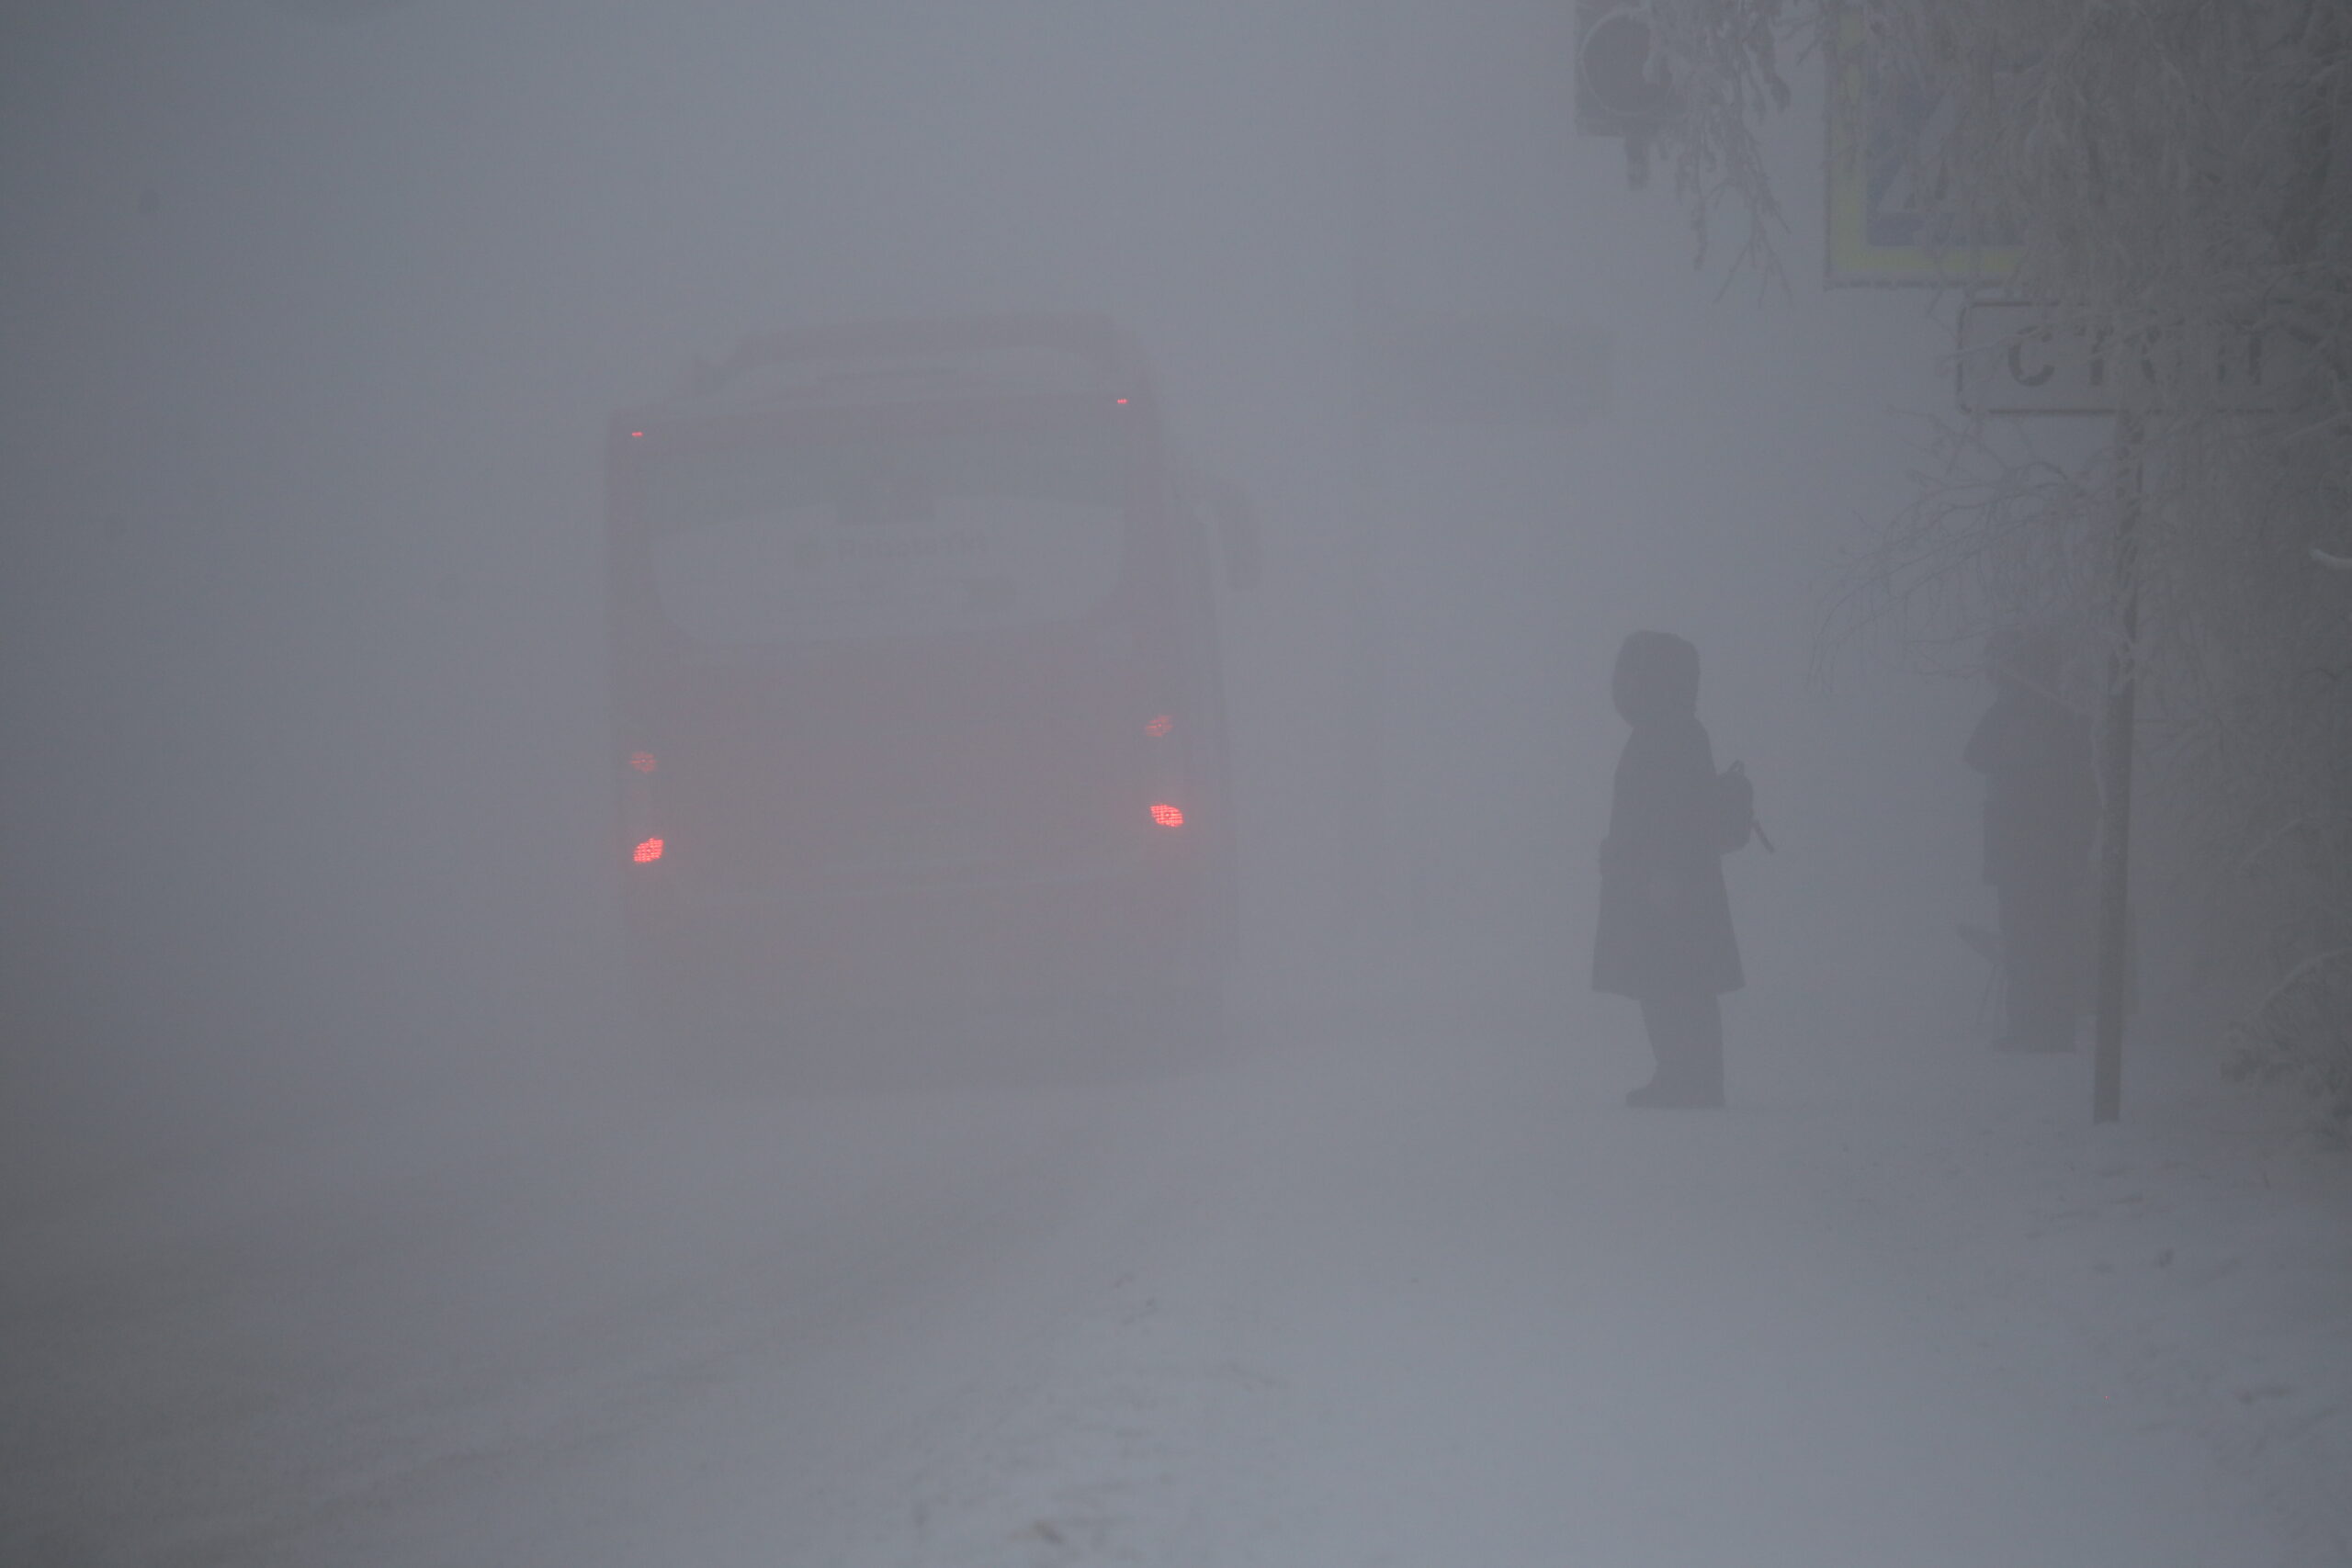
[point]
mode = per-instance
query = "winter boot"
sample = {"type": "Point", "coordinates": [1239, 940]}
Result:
{"type": "Point", "coordinates": [1687, 1039]}
{"type": "Point", "coordinates": [1671, 1094]}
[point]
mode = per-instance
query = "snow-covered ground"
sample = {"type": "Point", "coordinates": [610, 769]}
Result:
{"type": "Point", "coordinates": [1408, 1296]}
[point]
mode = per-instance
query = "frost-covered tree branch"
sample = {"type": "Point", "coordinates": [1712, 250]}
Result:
{"type": "Point", "coordinates": [2173, 171]}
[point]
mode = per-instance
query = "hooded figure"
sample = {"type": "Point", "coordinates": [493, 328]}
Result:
{"type": "Point", "coordinates": [1665, 936]}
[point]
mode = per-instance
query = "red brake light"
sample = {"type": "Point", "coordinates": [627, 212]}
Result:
{"type": "Point", "coordinates": [1160, 725]}
{"type": "Point", "coordinates": [642, 761]}
{"type": "Point", "coordinates": [1167, 815]}
{"type": "Point", "coordinates": [648, 852]}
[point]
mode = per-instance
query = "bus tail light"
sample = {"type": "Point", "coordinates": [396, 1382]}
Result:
{"type": "Point", "coordinates": [646, 851]}
{"type": "Point", "coordinates": [1167, 815]}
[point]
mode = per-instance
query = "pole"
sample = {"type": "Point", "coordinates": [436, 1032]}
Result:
{"type": "Point", "coordinates": [1369, 649]}
{"type": "Point", "coordinates": [2115, 842]}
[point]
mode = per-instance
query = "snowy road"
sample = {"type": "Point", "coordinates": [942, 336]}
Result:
{"type": "Point", "coordinates": [1418, 1300]}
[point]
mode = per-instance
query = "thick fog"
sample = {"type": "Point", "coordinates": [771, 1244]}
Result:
{"type": "Point", "coordinates": [316, 313]}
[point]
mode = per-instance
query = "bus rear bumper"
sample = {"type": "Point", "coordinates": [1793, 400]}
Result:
{"type": "Point", "coordinates": [1140, 928]}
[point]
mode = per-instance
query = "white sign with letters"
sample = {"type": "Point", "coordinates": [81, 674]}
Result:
{"type": "Point", "coordinates": [2015, 359]}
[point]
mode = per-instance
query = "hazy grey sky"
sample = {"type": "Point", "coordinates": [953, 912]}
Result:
{"type": "Point", "coordinates": [314, 315]}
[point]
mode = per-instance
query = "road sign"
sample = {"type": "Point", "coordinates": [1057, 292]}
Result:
{"type": "Point", "coordinates": [1885, 135]}
{"type": "Point", "coordinates": [2017, 358]}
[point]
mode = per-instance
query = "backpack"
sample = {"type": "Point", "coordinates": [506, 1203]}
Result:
{"type": "Point", "coordinates": [1735, 811]}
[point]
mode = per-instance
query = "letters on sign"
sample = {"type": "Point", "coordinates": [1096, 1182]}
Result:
{"type": "Point", "coordinates": [2015, 360]}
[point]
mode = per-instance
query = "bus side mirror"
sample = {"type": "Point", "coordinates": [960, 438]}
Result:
{"type": "Point", "coordinates": [1238, 544]}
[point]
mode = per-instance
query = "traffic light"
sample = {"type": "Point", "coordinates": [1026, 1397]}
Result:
{"type": "Point", "coordinates": [1621, 86]}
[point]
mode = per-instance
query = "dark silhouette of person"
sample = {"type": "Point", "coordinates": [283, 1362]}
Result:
{"type": "Point", "coordinates": [1665, 936]}
{"type": "Point", "coordinates": [2040, 817]}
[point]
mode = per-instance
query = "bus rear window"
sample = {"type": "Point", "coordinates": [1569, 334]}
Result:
{"type": "Point", "coordinates": [899, 535]}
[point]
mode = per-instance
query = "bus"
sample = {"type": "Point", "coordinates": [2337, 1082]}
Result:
{"type": "Point", "coordinates": [915, 675]}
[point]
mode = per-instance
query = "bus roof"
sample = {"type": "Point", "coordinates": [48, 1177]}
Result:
{"type": "Point", "coordinates": [867, 363]}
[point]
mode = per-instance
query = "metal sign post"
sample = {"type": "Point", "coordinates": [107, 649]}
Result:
{"type": "Point", "coordinates": [2115, 771]}
{"type": "Point", "coordinates": [1372, 897]}
{"type": "Point", "coordinates": [2017, 360]}
{"type": "Point", "coordinates": [2014, 362]}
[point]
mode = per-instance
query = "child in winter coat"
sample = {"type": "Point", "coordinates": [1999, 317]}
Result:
{"type": "Point", "coordinates": [1665, 936]}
